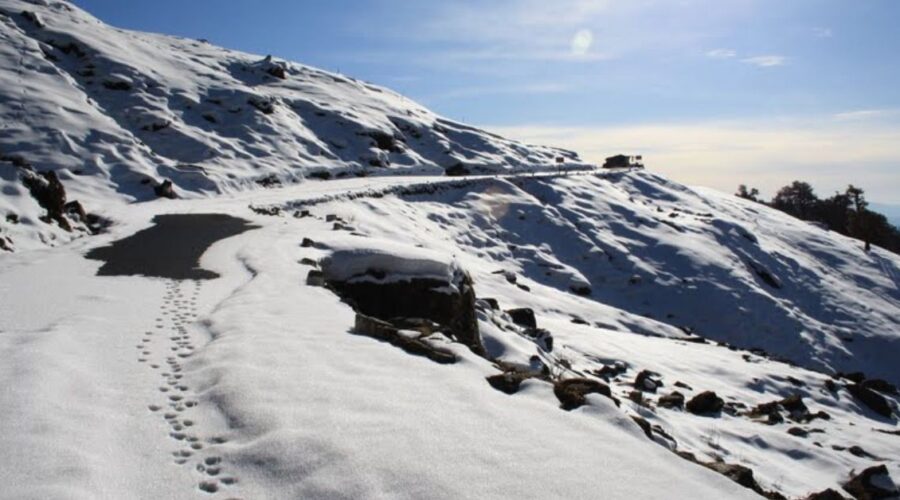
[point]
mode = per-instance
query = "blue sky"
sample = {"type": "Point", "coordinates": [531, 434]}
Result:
{"type": "Point", "coordinates": [712, 92]}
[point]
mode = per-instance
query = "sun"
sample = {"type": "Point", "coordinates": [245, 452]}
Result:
{"type": "Point", "coordinates": [582, 41]}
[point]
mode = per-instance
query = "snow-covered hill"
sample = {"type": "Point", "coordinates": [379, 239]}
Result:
{"type": "Point", "coordinates": [117, 112]}
{"type": "Point", "coordinates": [579, 335]}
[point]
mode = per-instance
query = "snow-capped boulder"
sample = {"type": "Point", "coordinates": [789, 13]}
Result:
{"type": "Point", "coordinates": [394, 282]}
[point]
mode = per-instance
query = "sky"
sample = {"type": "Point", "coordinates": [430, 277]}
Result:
{"type": "Point", "coordinates": [711, 92]}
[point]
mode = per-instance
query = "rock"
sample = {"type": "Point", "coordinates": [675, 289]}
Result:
{"type": "Point", "coordinates": [828, 494]}
{"type": "Point", "coordinates": [858, 451]}
{"type": "Point", "coordinates": [423, 326]}
{"type": "Point", "coordinates": [582, 290]}
{"type": "Point", "coordinates": [423, 297]}
{"type": "Point", "coordinates": [265, 105]}
{"type": "Point", "coordinates": [508, 382]}
{"type": "Point", "coordinates": [165, 189]}
{"type": "Point", "coordinates": [578, 320]}
{"type": "Point", "coordinates": [673, 400]}
{"type": "Point", "coordinates": [798, 431]}
{"type": "Point", "coordinates": [120, 85]}
{"type": "Point", "coordinates": [523, 316]}
{"type": "Point", "coordinates": [306, 261]}
{"type": "Point", "coordinates": [571, 392]}
{"type": "Point", "coordinates": [456, 170]}
{"type": "Point", "coordinates": [543, 338]}
{"type": "Point", "coordinates": [874, 482]}
{"type": "Point", "coordinates": [832, 387]}
{"type": "Point", "coordinates": [737, 473]}
{"type": "Point", "coordinates": [637, 397]}
{"type": "Point", "coordinates": [857, 377]}
{"type": "Point", "coordinates": [33, 18]}
{"type": "Point", "coordinates": [75, 209]}
{"type": "Point", "coordinates": [277, 71]}
{"type": "Point", "coordinates": [795, 407]}
{"type": "Point", "coordinates": [492, 303]}
{"type": "Point", "coordinates": [315, 278]}
{"type": "Point", "coordinates": [613, 370]}
{"type": "Point", "coordinates": [872, 399]}
{"type": "Point", "coordinates": [877, 384]}
{"type": "Point", "coordinates": [48, 191]}
{"type": "Point", "coordinates": [644, 425]}
{"type": "Point", "coordinates": [705, 403]}
{"type": "Point", "coordinates": [308, 243]}
{"type": "Point", "coordinates": [382, 330]}
{"type": "Point", "coordinates": [647, 381]}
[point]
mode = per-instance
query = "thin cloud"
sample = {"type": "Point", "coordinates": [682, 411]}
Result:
{"type": "Point", "coordinates": [768, 61]}
{"type": "Point", "coordinates": [477, 91]}
{"type": "Point", "coordinates": [721, 54]}
{"type": "Point", "coordinates": [822, 32]}
{"type": "Point", "coordinates": [866, 114]}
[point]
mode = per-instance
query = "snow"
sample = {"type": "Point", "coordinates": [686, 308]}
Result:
{"type": "Point", "coordinates": [252, 384]}
{"type": "Point", "coordinates": [292, 404]}
{"type": "Point", "coordinates": [352, 257]}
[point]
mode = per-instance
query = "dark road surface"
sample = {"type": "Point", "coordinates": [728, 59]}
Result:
{"type": "Point", "coordinates": [171, 248]}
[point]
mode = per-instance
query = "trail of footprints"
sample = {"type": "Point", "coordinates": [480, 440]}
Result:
{"type": "Point", "coordinates": [163, 349]}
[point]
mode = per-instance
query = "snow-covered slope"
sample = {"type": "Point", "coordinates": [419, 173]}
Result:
{"type": "Point", "coordinates": [116, 112]}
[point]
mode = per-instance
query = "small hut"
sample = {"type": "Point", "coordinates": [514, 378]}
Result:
{"type": "Point", "coordinates": [624, 161]}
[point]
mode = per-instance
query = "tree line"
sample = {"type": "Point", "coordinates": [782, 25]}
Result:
{"type": "Point", "coordinates": [845, 212]}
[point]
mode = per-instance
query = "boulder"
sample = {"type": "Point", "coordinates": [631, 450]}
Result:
{"type": "Point", "coordinates": [543, 338]}
{"type": "Point", "coordinates": [828, 494]}
{"type": "Point", "coordinates": [384, 331]}
{"type": "Point", "coordinates": [582, 290]}
{"type": "Point", "coordinates": [644, 425]}
{"type": "Point", "coordinates": [872, 483]}
{"type": "Point", "coordinates": [571, 392]}
{"type": "Point", "coordinates": [523, 316]}
{"type": "Point", "coordinates": [48, 191]}
{"type": "Point", "coordinates": [613, 370]}
{"type": "Point", "coordinates": [578, 320]}
{"type": "Point", "coordinates": [647, 381]}
{"type": "Point", "coordinates": [165, 189]}
{"type": "Point", "coordinates": [456, 170]}
{"type": "Point", "coordinates": [492, 303]}
{"type": "Point", "coordinates": [737, 473]}
{"type": "Point", "coordinates": [798, 431]}
{"type": "Point", "coordinates": [424, 297]}
{"type": "Point", "coordinates": [315, 278]}
{"type": "Point", "coordinates": [672, 400]}
{"type": "Point", "coordinates": [857, 377]}
{"type": "Point", "coordinates": [876, 402]}
{"type": "Point", "coordinates": [705, 403]}
{"type": "Point", "coordinates": [883, 386]}
{"type": "Point", "coordinates": [795, 407]}
{"type": "Point", "coordinates": [508, 382]}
